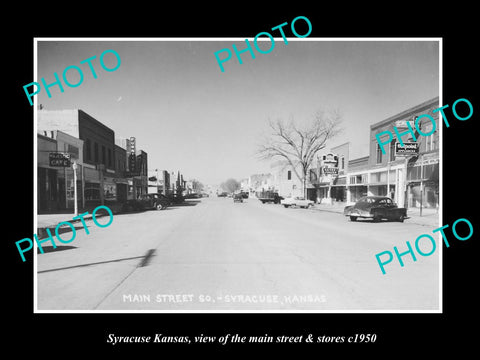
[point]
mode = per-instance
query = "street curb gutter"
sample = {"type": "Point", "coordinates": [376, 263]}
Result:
{"type": "Point", "coordinates": [42, 231]}
{"type": "Point", "coordinates": [410, 219]}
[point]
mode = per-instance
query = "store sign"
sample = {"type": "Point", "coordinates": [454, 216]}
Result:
{"type": "Point", "coordinates": [132, 158]}
{"type": "Point", "coordinates": [59, 159]}
{"type": "Point", "coordinates": [330, 159]}
{"type": "Point", "coordinates": [330, 170]}
{"type": "Point", "coordinates": [408, 148]}
{"type": "Point", "coordinates": [403, 123]}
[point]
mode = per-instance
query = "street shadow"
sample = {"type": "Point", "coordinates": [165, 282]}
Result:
{"type": "Point", "coordinates": [49, 249]}
{"type": "Point", "coordinates": [145, 260]}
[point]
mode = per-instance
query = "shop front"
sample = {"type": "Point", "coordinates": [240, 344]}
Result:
{"type": "Point", "coordinates": [423, 185]}
{"type": "Point", "coordinates": [47, 190]}
{"type": "Point", "coordinates": [357, 192]}
{"type": "Point", "coordinates": [66, 187]}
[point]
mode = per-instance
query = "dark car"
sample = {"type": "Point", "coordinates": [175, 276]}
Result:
{"type": "Point", "coordinates": [142, 202]}
{"type": "Point", "coordinates": [158, 201]}
{"type": "Point", "coordinates": [238, 197]}
{"type": "Point", "coordinates": [222, 194]}
{"type": "Point", "coordinates": [375, 208]}
{"type": "Point", "coordinates": [244, 194]}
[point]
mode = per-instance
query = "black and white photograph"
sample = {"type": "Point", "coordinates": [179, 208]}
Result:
{"type": "Point", "coordinates": [218, 179]}
{"type": "Point", "coordinates": [239, 175]}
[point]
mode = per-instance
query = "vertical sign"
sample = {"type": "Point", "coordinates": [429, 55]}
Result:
{"type": "Point", "coordinates": [132, 160]}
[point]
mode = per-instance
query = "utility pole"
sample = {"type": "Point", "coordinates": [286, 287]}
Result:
{"type": "Point", "coordinates": [75, 202]}
{"type": "Point", "coordinates": [421, 183]}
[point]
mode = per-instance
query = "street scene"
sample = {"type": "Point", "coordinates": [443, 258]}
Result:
{"type": "Point", "coordinates": [261, 187]}
{"type": "Point", "coordinates": [214, 254]}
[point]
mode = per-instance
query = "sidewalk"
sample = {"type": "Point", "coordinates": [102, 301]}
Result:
{"type": "Point", "coordinates": [430, 217]}
{"type": "Point", "coordinates": [50, 221]}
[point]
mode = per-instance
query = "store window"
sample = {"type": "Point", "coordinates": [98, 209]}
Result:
{"type": "Point", "coordinates": [92, 191]}
{"type": "Point", "coordinates": [73, 151]}
{"type": "Point", "coordinates": [110, 191]}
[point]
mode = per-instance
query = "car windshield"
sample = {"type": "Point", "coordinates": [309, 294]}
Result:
{"type": "Point", "coordinates": [367, 200]}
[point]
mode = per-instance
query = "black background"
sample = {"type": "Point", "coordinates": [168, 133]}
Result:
{"type": "Point", "coordinates": [61, 335]}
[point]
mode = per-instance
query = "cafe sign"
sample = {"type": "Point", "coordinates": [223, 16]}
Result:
{"type": "Point", "coordinates": [57, 159]}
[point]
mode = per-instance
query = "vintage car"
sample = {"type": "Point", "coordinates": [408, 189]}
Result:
{"type": "Point", "coordinates": [297, 201]}
{"type": "Point", "coordinates": [375, 208]}
{"type": "Point", "coordinates": [146, 201]}
{"type": "Point", "coordinates": [269, 197]}
{"type": "Point", "coordinates": [158, 201]}
{"type": "Point", "coordinates": [237, 197]}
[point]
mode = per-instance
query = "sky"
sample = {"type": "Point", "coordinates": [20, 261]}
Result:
{"type": "Point", "coordinates": [191, 117]}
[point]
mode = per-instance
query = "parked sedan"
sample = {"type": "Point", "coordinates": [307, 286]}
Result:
{"type": "Point", "coordinates": [296, 201]}
{"type": "Point", "coordinates": [375, 208]}
{"type": "Point", "coordinates": [158, 201]}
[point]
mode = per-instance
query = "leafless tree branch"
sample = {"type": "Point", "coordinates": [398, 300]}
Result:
{"type": "Point", "coordinates": [299, 145]}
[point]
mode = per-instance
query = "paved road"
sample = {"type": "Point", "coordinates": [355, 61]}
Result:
{"type": "Point", "coordinates": [212, 254]}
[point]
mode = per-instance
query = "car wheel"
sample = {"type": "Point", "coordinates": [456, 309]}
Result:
{"type": "Point", "coordinates": [285, 206]}
{"type": "Point", "coordinates": [353, 218]}
{"type": "Point", "coordinates": [159, 206]}
{"type": "Point", "coordinates": [401, 218]}
{"type": "Point", "coordinates": [309, 206]}
{"type": "Point", "coordinates": [376, 219]}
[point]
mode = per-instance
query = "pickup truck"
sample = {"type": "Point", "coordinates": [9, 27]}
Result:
{"type": "Point", "coordinates": [375, 208]}
{"type": "Point", "coordinates": [268, 197]}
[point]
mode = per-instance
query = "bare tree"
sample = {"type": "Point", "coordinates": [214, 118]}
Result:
{"type": "Point", "coordinates": [230, 185]}
{"type": "Point", "coordinates": [299, 145]}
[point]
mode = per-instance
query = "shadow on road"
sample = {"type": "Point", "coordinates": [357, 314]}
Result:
{"type": "Point", "coordinates": [95, 263]}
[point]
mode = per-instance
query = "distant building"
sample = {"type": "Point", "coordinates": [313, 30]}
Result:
{"type": "Point", "coordinates": [284, 179]}
{"type": "Point", "coordinates": [260, 182]}
{"type": "Point", "coordinates": [159, 181]}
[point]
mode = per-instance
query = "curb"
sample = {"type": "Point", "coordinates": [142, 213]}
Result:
{"type": "Point", "coordinates": [42, 231]}
{"type": "Point", "coordinates": [409, 219]}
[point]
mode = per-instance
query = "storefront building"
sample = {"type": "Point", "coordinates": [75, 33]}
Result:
{"type": "Point", "coordinates": [413, 180]}
{"type": "Point", "coordinates": [98, 152]}
{"type": "Point", "coordinates": [56, 184]}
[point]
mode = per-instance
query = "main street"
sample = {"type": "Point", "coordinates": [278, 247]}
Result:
{"type": "Point", "coordinates": [214, 254]}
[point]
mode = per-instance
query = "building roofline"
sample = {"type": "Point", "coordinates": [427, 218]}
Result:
{"type": "Point", "coordinates": [345, 143]}
{"type": "Point", "coordinates": [363, 158]}
{"type": "Point", "coordinates": [46, 137]}
{"type": "Point", "coordinates": [424, 104]}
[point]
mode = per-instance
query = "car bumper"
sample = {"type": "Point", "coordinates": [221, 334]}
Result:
{"type": "Point", "coordinates": [357, 213]}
